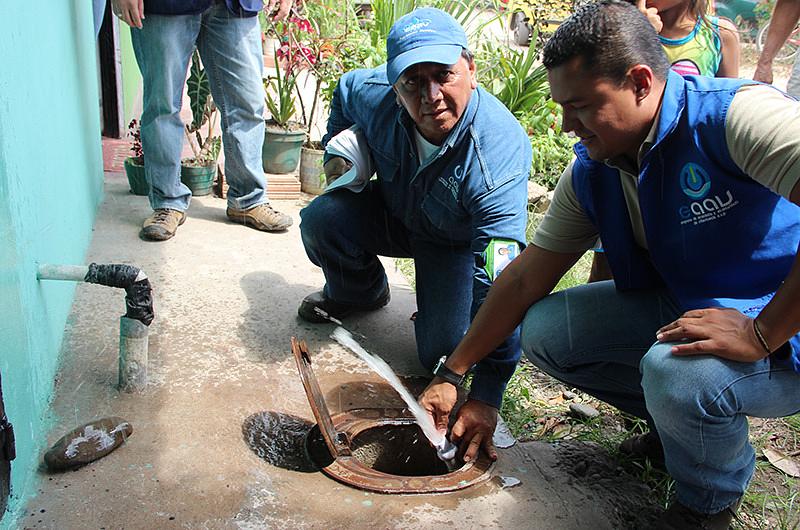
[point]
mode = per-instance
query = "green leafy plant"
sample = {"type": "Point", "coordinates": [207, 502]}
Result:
{"type": "Point", "coordinates": [520, 83]}
{"type": "Point", "coordinates": [763, 11]}
{"type": "Point", "coordinates": [280, 94]}
{"type": "Point", "coordinates": [205, 149]}
{"type": "Point", "coordinates": [514, 77]}
{"type": "Point", "coordinates": [470, 14]}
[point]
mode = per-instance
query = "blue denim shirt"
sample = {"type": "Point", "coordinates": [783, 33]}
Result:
{"type": "Point", "coordinates": [246, 8]}
{"type": "Point", "coordinates": [474, 190]}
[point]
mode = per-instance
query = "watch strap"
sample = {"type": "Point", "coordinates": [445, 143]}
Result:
{"type": "Point", "coordinates": [447, 374]}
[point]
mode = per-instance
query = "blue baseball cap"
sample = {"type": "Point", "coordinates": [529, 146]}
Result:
{"type": "Point", "coordinates": [426, 35]}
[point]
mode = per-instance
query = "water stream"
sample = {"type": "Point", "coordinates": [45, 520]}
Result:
{"type": "Point", "coordinates": [445, 449]}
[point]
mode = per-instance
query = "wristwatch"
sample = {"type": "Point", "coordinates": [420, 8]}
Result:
{"type": "Point", "coordinates": [442, 371]}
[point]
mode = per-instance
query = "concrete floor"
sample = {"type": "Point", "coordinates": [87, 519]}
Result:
{"type": "Point", "coordinates": [220, 363]}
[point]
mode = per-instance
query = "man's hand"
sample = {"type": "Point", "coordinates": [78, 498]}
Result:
{"type": "Point", "coordinates": [474, 428]}
{"type": "Point", "coordinates": [129, 11]}
{"type": "Point", "coordinates": [283, 7]}
{"type": "Point", "coordinates": [438, 401]}
{"type": "Point", "coordinates": [652, 15]}
{"type": "Point", "coordinates": [763, 72]}
{"type": "Point", "coordinates": [723, 332]}
{"type": "Point", "coordinates": [335, 168]}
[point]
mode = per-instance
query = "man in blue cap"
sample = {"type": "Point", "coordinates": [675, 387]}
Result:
{"type": "Point", "coordinates": [228, 36]}
{"type": "Point", "coordinates": [452, 168]}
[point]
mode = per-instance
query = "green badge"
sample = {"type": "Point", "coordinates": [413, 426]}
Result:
{"type": "Point", "coordinates": [498, 255]}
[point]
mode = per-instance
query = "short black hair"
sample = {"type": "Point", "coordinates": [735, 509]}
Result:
{"type": "Point", "coordinates": [611, 36]}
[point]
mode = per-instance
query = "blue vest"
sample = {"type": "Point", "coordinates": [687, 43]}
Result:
{"type": "Point", "coordinates": [716, 237]}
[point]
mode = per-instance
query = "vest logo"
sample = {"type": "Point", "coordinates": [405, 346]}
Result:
{"type": "Point", "coordinates": [702, 211]}
{"type": "Point", "coordinates": [416, 24]}
{"type": "Point", "coordinates": [695, 182]}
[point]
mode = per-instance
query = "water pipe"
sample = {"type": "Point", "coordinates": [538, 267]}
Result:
{"type": "Point", "coordinates": [133, 325]}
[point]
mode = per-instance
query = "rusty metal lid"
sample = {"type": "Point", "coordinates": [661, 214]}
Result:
{"type": "Point", "coordinates": [337, 442]}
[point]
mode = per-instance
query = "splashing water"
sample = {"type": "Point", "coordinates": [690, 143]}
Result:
{"type": "Point", "coordinates": [445, 449]}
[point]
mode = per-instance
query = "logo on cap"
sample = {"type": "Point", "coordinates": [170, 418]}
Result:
{"type": "Point", "coordinates": [416, 24]}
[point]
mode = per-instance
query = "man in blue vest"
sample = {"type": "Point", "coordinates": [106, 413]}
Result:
{"type": "Point", "coordinates": [228, 36]}
{"type": "Point", "coordinates": [452, 168]}
{"type": "Point", "coordinates": [692, 185]}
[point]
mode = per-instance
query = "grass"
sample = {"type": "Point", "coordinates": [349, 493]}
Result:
{"type": "Point", "coordinates": [535, 408]}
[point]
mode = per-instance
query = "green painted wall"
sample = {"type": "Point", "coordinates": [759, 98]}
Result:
{"type": "Point", "coordinates": [51, 183]}
{"type": "Point", "coordinates": [131, 77]}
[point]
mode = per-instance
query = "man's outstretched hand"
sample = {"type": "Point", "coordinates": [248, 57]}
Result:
{"type": "Point", "coordinates": [438, 401]}
{"type": "Point", "coordinates": [475, 422]}
{"type": "Point", "coordinates": [474, 429]}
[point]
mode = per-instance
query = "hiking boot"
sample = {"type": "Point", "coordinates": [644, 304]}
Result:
{"type": "Point", "coordinates": [162, 225]}
{"type": "Point", "coordinates": [647, 445]}
{"type": "Point", "coordinates": [679, 517]}
{"type": "Point", "coordinates": [337, 310]}
{"type": "Point", "coordinates": [261, 217]}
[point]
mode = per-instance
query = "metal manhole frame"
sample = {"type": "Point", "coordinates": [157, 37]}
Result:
{"type": "Point", "coordinates": [339, 430]}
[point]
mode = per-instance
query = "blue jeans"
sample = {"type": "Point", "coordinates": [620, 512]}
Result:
{"type": "Point", "coordinates": [344, 232]}
{"type": "Point", "coordinates": [230, 48]}
{"type": "Point", "coordinates": [600, 340]}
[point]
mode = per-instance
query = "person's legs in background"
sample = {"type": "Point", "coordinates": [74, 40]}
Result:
{"type": "Point", "coordinates": [230, 47]}
{"type": "Point", "coordinates": [163, 47]}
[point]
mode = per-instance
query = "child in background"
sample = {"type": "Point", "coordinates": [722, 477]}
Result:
{"type": "Point", "coordinates": [696, 43]}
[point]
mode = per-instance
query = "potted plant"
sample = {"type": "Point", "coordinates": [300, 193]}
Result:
{"type": "Point", "coordinates": [283, 137]}
{"type": "Point", "coordinates": [134, 165]}
{"type": "Point", "coordinates": [324, 43]}
{"type": "Point", "coordinates": [198, 171]}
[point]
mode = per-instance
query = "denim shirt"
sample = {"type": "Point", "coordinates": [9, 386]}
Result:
{"type": "Point", "coordinates": [245, 8]}
{"type": "Point", "coordinates": [472, 191]}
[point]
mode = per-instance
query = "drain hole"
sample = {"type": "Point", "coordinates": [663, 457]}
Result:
{"type": "Point", "coordinates": [398, 450]}
{"type": "Point", "coordinates": [279, 439]}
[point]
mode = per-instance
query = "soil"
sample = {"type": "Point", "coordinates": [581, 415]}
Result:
{"type": "Point", "coordinates": [292, 126]}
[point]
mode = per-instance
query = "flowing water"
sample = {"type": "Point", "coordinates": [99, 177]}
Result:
{"type": "Point", "coordinates": [445, 449]}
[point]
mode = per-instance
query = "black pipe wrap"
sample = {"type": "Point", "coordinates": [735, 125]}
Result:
{"type": "Point", "coordinates": [138, 295]}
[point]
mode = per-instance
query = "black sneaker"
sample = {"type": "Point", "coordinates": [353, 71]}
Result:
{"type": "Point", "coordinates": [679, 517]}
{"type": "Point", "coordinates": [337, 310]}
